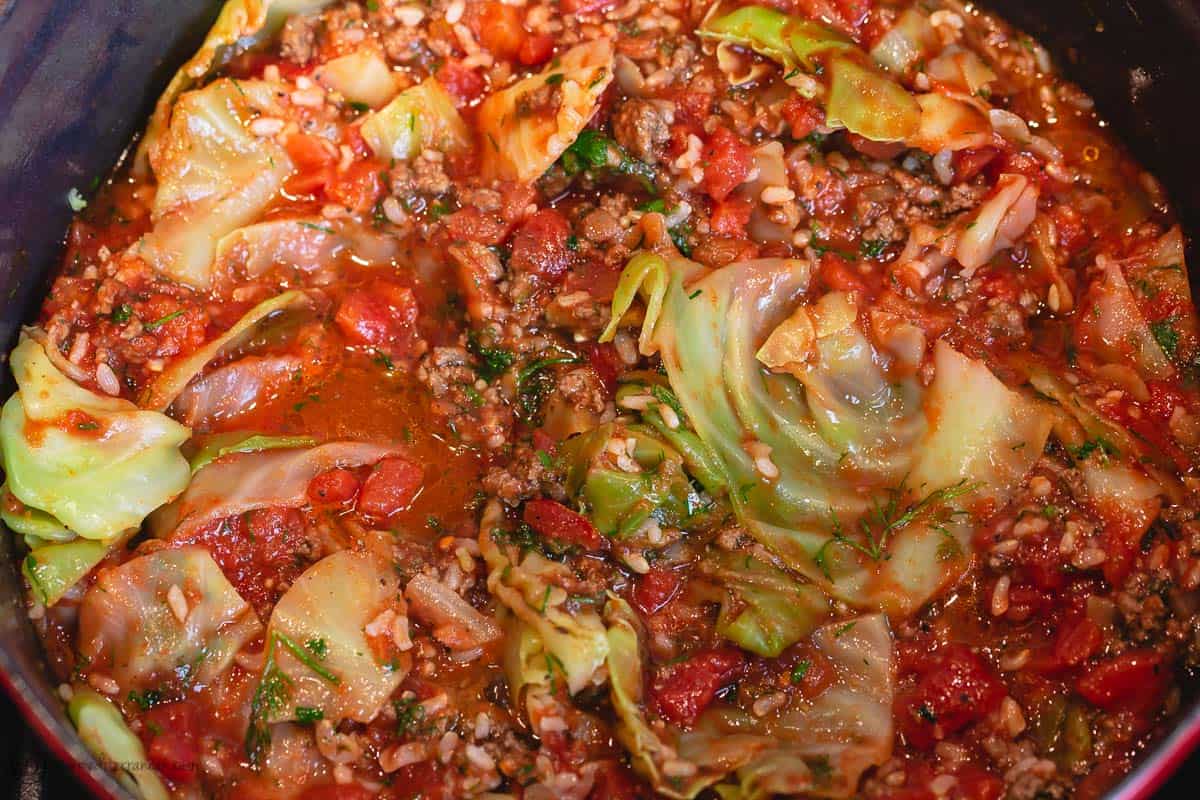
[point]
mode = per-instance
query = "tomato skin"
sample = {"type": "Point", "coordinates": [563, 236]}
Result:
{"type": "Point", "coordinates": [556, 522]}
{"type": "Point", "coordinates": [463, 83]}
{"type": "Point", "coordinates": [314, 158]}
{"type": "Point", "coordinates": [170, 733]}
{"type": "Point", "coordinates": [390, 488]}
{"type": "Point", "coordinates": [540, 246]}
{"type": "Point", "coordinates": [655, 589]}
{"type": "Point", "coordinates": [730, 217]}
{"type": "Point", "coordinates": [955, 688]}
{"type": "Point", "coordinates": [682, 691]}
{"type": "Point", "coordinates": [1133, 681]}
{"type": "Point", "coordinates": [1077, 643]}
{"type": "Point", "coordinates": [335, 488]}
{"type": "Point", "coordinates": [728, 161]}
{"type": "Point", "coordinates": [536, 49]}
{"type": "Point", "coordinates": [382, 314]}
{"type": "Point", "coordinates": [605, 362]}
{"type": "Point", "coordinates": [803, 116]}
{"type": "Point", "coordinates": [358, 188]}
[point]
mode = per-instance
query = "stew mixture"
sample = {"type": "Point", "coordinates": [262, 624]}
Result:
{"type": "Point", "coordinates": [606, 399]}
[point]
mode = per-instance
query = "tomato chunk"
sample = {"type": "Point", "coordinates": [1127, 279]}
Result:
{"type": "Point", "coordinates": [954, 688]}
{"type": "Point", "coordinates": [536, 49]}
{"type": "Point", "coordinates": [540, 246]}
{"type": "Point", "coordinates": [682, 691]}
{"type": "Point", "coordinates": [383, 315]}
{"type": "Point", "coordinates": [391, 487]}
{"type": "Point", "coordinates": [803, 116]}
{"type": "Point", "coordinates": [558, 523]}
{"type": "Point", "coordinates": [335, 487]}
{"type": "Point", "coordinates": [1133, 679]}
{"type": "Point", "coordinates": [606, 362]}
{"type": "Point", "coordinates": [728, 161]}
{"type": "Point", "coordinates": [358, 188]}
{"type": "Point", "coordinates": [170, 734]}
{"type": "Point", "coordinates": [1076, 643]}
{"type": "Point", "coordinates": [498, 26]}
{"type": "Point", "coordinates": [655, 589]}
{"type": "Point", "coordinates": [463, 83]}
{"type": "Point", "coordinates": [730, 217]}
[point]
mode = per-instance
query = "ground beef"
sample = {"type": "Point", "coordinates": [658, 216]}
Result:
{"type": "Point", "coordinates": [642, 127]}
{"type": "Point", "coordinates": [298, 41]}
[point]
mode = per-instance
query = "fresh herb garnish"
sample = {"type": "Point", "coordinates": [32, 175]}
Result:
{"type": "Point", "coordinates": [1166, 335]}
{"type": "Point", "coordinates": [122, 313]}
{"type": "Point", "coordinates": [308, 715]}
{"type": "Point", "coordinates": [1097, 444]}
{"type": "Point", "coordinates": [594, 151]}
{"type": "Point", "coordinates": [158, 323]}
{"type": "Point", "coordinates": [800, 670]}
{"type": "Point", "coordinates": [494, 361]}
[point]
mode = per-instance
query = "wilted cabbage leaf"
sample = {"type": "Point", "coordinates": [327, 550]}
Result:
{"type": "Point", "coordinates": [52, 569]}
{"type": "Point", "coordinates": [527, 583]}
{"type": "Point", "coordinates": [97, 464]}
{"type": "Point", "coordinates": [361, 76]}
{"type": "Point", "coordinates": [838, 425]}
{"type": "Point", "coordinates": [816, 747]}
{"type": "Point", "coordinates": [519, 142]}
{"type": "Point", "coordinates": [104, 733]}
{"type": "Point", "coordinates": [243, 481]}
{"type": "Point", "coordinates": [321, 650]}
{"type": "Point", "coordinates": [130, 629]}
{"type": "Point", "coordinates": [423, 117]}
{"type": "Point", "coordinates": [765, 610]}
{"type": "Point", "coordinates": [242, 24]}
{"type": "Point", "coordinates": [213, 174]}
{"type": "Point", "coordinates": [160, 393]}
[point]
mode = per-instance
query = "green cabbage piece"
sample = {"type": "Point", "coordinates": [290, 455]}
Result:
{"type": "Point", "coordinates": [214, 176]}
{"type": "Point", "coordinates": [117, 749]}
{"type": "Point", "coordinates": [332, 603]}
{"type": "Point", "coordinates": [869, 498]}
{"type": "Point", "coordinates": [241, 25]}
{"type": "Point", "coordinates": [52, 569]}
{"type": "Point", "coordinates": [765, 610]}
{"type": "Point", "coordinates": [818, 747]}
{"type": "Point", "coordinates": [129, 629]}
{"type": "Point", "coordinates": [420, 118]}
{"type": "Point", "coordinates": [170, 383]}
{"type": "Point", "coordinates": [618, 502]}
{"type": "Point", "coordinates": [859, 97]}
{"type": "Point", "coordinates": [35, 525]}
{"type": "Point", "coordinates": [526, 583]}
{"type": "Point", "coordinates": [361, 76]}
{"type": "Point", "coordinates": [100, 474]}
{"type": "Point", "coordinates": [223, 444]}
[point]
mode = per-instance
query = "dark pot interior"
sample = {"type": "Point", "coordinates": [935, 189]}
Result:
{"type": "Point", "coordinates": [78, 78]}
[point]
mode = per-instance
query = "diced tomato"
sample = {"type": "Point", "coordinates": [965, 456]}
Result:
{"type": "Point", "coordinates": [837, 273]}
{"type": "Point", "coordinates": [731, 216]}
{"type": "Point", "coordinates": [605, 362]}
{"type": "Point", "coordinates": [540, 246]}
{"type": "Point", "coordinates": [1131, 681]}
{"type": "Point", "coordinates": [335, 487]}
{"type": "Point", "coordinates": [314, 158]}
{"type": "Point", "coordinates": [536, 49]}
{"type": "Point", "coordinates": [881, 151]}
{"type": "Point", "coordinates": [558, 523]}
{"type": "Point", "coordinates": [358, 188]}
{"type": "Point", "coordinates": [728, 161]}
{"type": "Point", "coordinates": [587, 6]}
{"type": "Point", "coordinates": [803, 116]}
{"type": "Point", "coordinates": [1164, 398]}
{"type": "Point", "coordinates": [463, 83]}
{"type": "Point", "coordinates": [1072, 229]}
{"type": "Point", "coordinates": [1077, 642]}
{"type": "Point", "coordinates": [498, 28]}
{"type": "Point", "coordinates": [179, 326]}
{"type": "Point", "coordinates": [472, 225]}
{"type": "Point", "coordinates": [954, 688]}
{"type": "Point", "coordinates": [848, 16]}
{"type": "Point", "coordinates": [682, 691]}
{"type": "Point", "coordinates": [543, 441]}
{"type": "Point", "coordinates": [977, 784]}
{"type": "Point", "coordinates": [170, 733]}
{"type": "Point", "coordinates": [655, 589]}
{"type": "Point", "coordinates": [390, 488]}
{"type": "Point", "coordinates": [614, 781]}
{"type": "Point", "coordinates": [383, 315]}
{"type": "Point", "coordinates": [970, 162]}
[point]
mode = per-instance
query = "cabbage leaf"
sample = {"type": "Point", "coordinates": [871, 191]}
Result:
{"type": "Point", "coordinates": [214, 176]}
{"type": "Point", "coordinates": [104, 732]}
{"type": "Point", "coordinates": [361, 76]}
{"type": "Point", "coordinates": [170, 383]}
{"type": "Point", "coordinates": [525, 583]}
{"type": "Point", "coordinates": [128, 628]}
{"type": "Point", "coordinates": [321, 649]}
{"type": "Point", "coordinates": [52, 569]}
{"type": "Point", "coordinates": [765, 610]}
{"type": "Point", "coordinates": [519, 143]}
{"type": "Point", "coordinates": [96, 463]}
{"type": "Point", "coordinates": [423, 117]}
{"type": "Point", "coordinates": [859, 506]}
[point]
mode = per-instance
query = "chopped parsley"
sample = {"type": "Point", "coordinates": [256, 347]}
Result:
{"type": "Point", "coordinates": [1166, 335]}
{"type": "Point", "coordinates": [308, 715]}
{"type": "Point", "coordinates": [146, 700]}
{"type": "Point", "coordinates": [494, 361]}
{"type": "Point", "coordinates": [1095, 445]}
{"type": "Point", "coordinates": [122, 313]}
{"type": "Point", "coordinates": [158, 323]}
{"type": "Point", "coordinates": [593, 151]}
{"type": "Point", "coordinates": [800, 670]}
